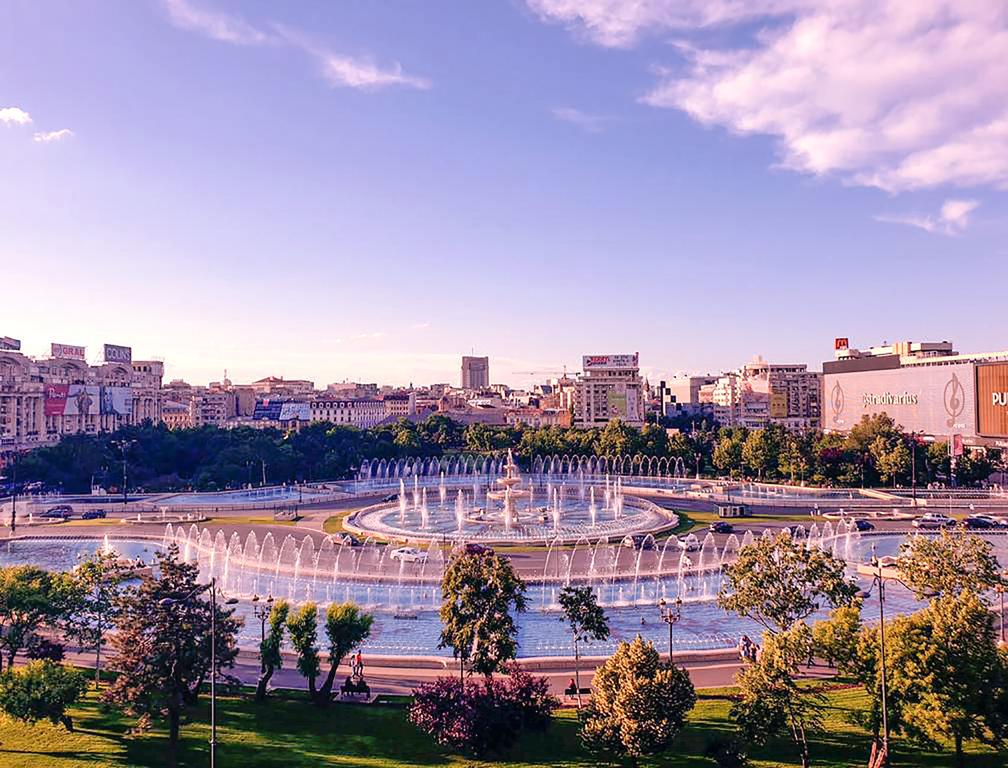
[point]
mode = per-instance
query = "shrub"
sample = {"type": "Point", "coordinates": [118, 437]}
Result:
{"type": "Point", "coordinates": [41, 690]}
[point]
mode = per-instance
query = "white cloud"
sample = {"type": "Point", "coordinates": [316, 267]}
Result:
{"type": "Point", "coordinates": [213, 24]}
{"type": "Point", "coordinates": [952, 219]}
{"type": "Point", "coordinates": [47, 137]}
{"type": "Point", "coordinates": [583, 120]}
{"type": "Point", "coordinates": [365, 75]}
{"type": "Point", "coordinates": [885, 93]}
{"type": "Point", "coordinates": [14, 116]}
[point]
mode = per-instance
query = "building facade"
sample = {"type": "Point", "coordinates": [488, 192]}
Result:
{"type": "Point", "coordinates": [475, 372]}
{"type": "Point", "coordinates": [358, 412]}
{"type": "Point", "coordinates": [609, 387]}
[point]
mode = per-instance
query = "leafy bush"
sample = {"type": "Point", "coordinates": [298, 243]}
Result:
{"type": "Point", "coordinates": [41, 690]}
{"type": "Point", "coordinates": [43, 649]}
{"type": "Point", "coordinates": [482, 717]}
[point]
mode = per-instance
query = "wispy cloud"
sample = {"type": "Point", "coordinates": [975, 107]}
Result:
{"type": "Point", "coordinates": [336, 68]}
{"type": "Point", "coordinates": [885, 93]}
{"type": "Point", "coordinates": [47, 137]}
{"type": "Point", "coordinates": [585, 121]}
{"type": "Point", "coordinates": [952, 219]}
{"type": "Point", "coordinates": [14, 116]}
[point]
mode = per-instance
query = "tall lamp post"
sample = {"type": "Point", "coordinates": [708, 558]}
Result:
{"type": "Point", "coordinates": [187, 600]}
{"type": "Point", "coordinates": [262, 611]}
{"type": "Point", "coordinates": [123, 446]}
{"type": "Point", "coordinates": [1001, 587]}
{"type": "Point", "coordinates": [670, 613]}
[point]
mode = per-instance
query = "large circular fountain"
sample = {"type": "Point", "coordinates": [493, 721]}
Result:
{"type": "Point", "coordinates": [509, 510]}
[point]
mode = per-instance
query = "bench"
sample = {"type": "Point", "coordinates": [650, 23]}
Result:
{"type": "Point", "coordinates": [571, 692]}
{"type": "Point", "coordinates": [353, 689]}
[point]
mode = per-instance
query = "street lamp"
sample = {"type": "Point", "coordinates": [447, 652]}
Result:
{"type": "Point", "coordinates": [123, 446]}
{"type": "Point", "coordinates": [168, 602]}
{"type": "Point", "coordinates": [262, 613]}
{"type": "Point", "coordinates": [1001, 587]}
{"type": "Point", "coordinates": [670, 613]}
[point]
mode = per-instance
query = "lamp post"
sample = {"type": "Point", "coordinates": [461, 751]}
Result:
{"type": "Point", "coordinates": [1001, 587]}
{"type": "Point", "coordinates": [670, 613]}
{"type": "Point", "coordinates": [262, 612]}
{"type": "Point", "coordinates": [187, 600]}
{"type": "Point", "coordinates": [877, 579]}
{"type": "Point", "coordinates": [123, 445]}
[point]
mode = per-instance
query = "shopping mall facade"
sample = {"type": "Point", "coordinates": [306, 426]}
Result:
{"type": "Point", "coordinates": [926, 388]}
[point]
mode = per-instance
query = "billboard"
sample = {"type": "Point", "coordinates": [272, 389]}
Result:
{"type": "Point", "coordinates": [67, 351]}
{"type": "Point", "coordinates": [117, 401]}
{"type": "Point", "coordinates": [6, 342]}
{"type": "Point", "coordinates": [841, 342]}
{"type": "Point", "coordinates": [778, 405]}
{"type": "Point", "coordinates": [936, 400]}
{"type": "Point", "coordinates": [56, 399]}
{"type": "Point", "coordinates": [626, 362]}
{"type": "Point", "coordinates": [82, 400]}
{"type": "Point", "coordinates": [116, 354]}
{"type": "Point", "coordinates": [992, 399]}
{"type": "Point", "coordinates": [616, 399]}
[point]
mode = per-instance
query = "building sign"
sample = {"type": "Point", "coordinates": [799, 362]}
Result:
{"type": "Point", "coordinates": [992, 399]}
{"type": "Point", "coordinates": [625, 362]}
{"type": "Point", "coordinates": [117, 401]}
{"type": "Point", "coordinates": [116, 354]}
{"type": "Point", "coordinates": [937, 400]}
{"type": "Point", "coordinates": [67, 352]}
{"type": "Point", "coordinates": [55, 399]}
{"type": "Point", "coordinates": [6, 342]}
{"type": "Point", "coordinates": [841, 342]}
{"type": "Point", "coordinates": [778, 405]}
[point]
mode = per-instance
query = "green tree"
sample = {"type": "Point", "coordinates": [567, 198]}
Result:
{"type": "Point", "coordinates": [271, 659]}
{"type": "Point", "coordinates": [31, 599]}
{"type": "Point", "coordinates": [162, 644]}
{"type": "Point", "coordinates": [99, 581]}
{"type": "Point", "coordinates": [479, 593]}
{"type": "Point", "coordinates": [618, 439]}
{"type": "Point", "coordinates": [835, 639]}
{"type": "Point", "coordinates": [948, 564]}
{"type": "Point", "coordinates": [639, 703]}
{"type": "Point", "coordinates": [771, 702]}
{"type": "Point", "coordinates": [777, 581]}
{"type": "Point", "coordinates": [761, 452]}
{"type": "Point", "coordinates": [302, 625]}
{"type": "Point", "coordinates": [892, 459]}
{"type": "Point", "coordinates": [346, 627]}
{"type": "Point", "coordinates": [41, 690]}
{"type": "Point", "coordinates": [587, 622]}
{"type": "Point", "coordinates": [727, 455]}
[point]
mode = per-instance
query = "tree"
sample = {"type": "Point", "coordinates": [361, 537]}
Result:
{"type": "Point", "coordinates": [587, 621]}
{"type": "Point", "coordinates": [162, 644]}
{"type": "Point", "coordinates": [618, 439]}
{"type": "Point", "coordinates": [777, 581]}
{"type": "Point", "coordinates": [479, 593]}
{"type": "Point", "coordinates": [346, 628]}
{"type": "Point", "coordinates": [771, 702]}
{"type": "Point", "coordinates": [41, 690]}
{"type": "Point", "coordinates": [303, 628]}
{"type": "Point", "coordinates": [639, 703]}
{"type": "Point", "coordinates": [727, 455]}
{"type": "Point", "coordinates": [835, 638]}
{"type": "Point", "coordinates": [761, 452]}
{"type": "Point", "coordinates": [948, 564]}
{"type": "Point", "coordinates": [99, 585]}
{"type": "Point", "coordinates": [30, 599]}
{"type": "Point", "coordinates": [892, 459]}
{"type": "Point", "coordinates": [270, 656]}
{"type": "Point", "coordinates": [946, 673]}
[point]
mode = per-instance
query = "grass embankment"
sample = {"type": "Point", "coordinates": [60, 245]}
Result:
{"type": "Point", "coordinates": [334, 523]}
{"type": "Point", "coordinates": [286, 731]}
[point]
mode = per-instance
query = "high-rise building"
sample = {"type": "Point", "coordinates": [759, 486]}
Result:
{"type": "Point", "coordinates": [609, 387]}
{"type": "Point", "coordinates": [475, 372]}
{"type": "Point", "coordinates": [762, 393]}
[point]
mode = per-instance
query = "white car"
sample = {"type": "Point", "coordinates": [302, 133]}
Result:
{"type": "Point", "coordinates": [408, 555]}
{"type": "Point", "coordinates": [689, 543]}
{"type": "Point", "coordinates": [933, 520]}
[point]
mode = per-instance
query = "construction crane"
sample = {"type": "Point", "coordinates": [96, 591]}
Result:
{"type": "Point", "coordinates": [541, 373]}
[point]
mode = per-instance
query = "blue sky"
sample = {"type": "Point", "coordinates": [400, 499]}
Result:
{"type": "Point", "coordinates": [358, 190]}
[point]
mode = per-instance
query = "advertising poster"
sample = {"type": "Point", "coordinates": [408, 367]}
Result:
{"type": "Point", "coordinates": [67, 351]}
{"type": "Point", "coordinates": [992, 399]}
{"type": "Point", "coordinates": [778, 405]}
{"type": "Point", "coordinates": [116, 354]}
{"type": "Point", "coordinates": [292, 411]}
{"type": "Point", "coordinates": [56, 399]}
{"type": "Point", "coordinates": [117, 400]}
{"type": "Point", "coordinates": [82, 400]}
{"type": "Point", "coordinates": [617, 401]}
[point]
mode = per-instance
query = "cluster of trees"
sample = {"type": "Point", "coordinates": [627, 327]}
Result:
{"type": "Point", "coordinates": [947, 679]}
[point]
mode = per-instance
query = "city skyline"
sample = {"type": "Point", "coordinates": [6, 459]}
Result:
{"type": "Point", "coordinates": [333, 192]}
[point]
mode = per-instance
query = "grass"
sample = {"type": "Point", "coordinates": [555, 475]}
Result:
{"type": "Point", "coordinates": [286, 731]}
{"type": "Point", "coordinates": [249, 520]}
{"type": "Point", "coordinates": [334, 524]}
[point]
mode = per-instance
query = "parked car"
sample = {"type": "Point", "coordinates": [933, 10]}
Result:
{"type": "Point", "coordinates": [60, 511]}
{"type": "Point", "coordinates": [477, 549]}
{"type": "Point", "coordinates": [720, 526]}
{"type": "Point", "coordinates": [933, 520]}
{"type": "Point", "coordinates": [93, 514]}
{"type": "Point", "coordinates": [408, 555]}
{"type": "Point", "coordinates": [983, 521]}
{"type": "Point", "coordinates": [347, 539]}
{"type": "Point", "coordinates": [689, 543]}
{"type": "Point", "coordinates": [390, 498]}
{"type": "Point", "coordinates": [863, 525]}
{"type": "Point", "coordinates": [637, 541]}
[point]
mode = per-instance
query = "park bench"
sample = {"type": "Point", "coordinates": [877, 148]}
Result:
{"type": "Point", "coordinates": [353, 688]}
{"type": "Point", "coordinates": [571, 692]}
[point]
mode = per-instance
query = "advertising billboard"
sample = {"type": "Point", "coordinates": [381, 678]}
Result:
{"type": "Point", "coordinates": [778, 405]}
{"type": "Point", "coordinates": [626, 362]}
{"type": "Point", "coordinates": [117, 400]}
{"type": "Point", "coordinates": [936, 400]}
{"type": "Point", "coordinates": [56, 399]}
{"type": "Point", "coordinates": [67, 351]}
{"type": "Point", "coordinates": [6, 342]}
{"type": "Point", "coordinates": [82, 400]}
{"type": "Point", "coordinates": [992, 399]}
{"type": "Point", "coordinates": [116, 354]}
{"type": "Point", "coordinates": [616, 399]}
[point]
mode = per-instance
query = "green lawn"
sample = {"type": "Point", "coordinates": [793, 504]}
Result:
{"type": "Point", "coordinates": [289, 732]}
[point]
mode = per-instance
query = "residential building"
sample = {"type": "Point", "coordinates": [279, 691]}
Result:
{"type": "Point", "coordinates": [610, 387]}
{"type": "Point", "coordinates": [475, 372]}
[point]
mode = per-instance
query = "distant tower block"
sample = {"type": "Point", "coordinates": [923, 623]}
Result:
{"type": "Point", "coordinates": [475, 372]}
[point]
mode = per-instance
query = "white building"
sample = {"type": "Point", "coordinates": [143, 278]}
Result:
{"type": "Point", "coordinates": [609, 387]}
